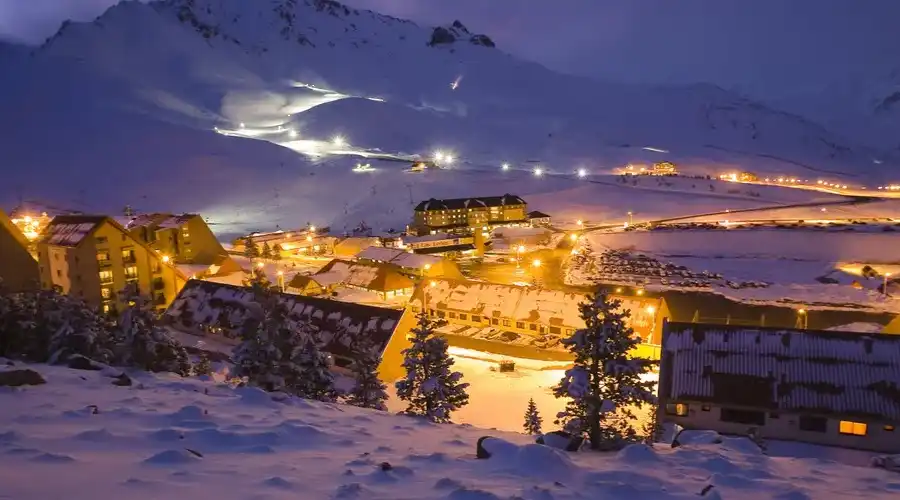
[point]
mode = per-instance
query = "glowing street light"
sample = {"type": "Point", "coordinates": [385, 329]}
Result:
{"type": "Point", "coordinates": [166, 259]}
{"type": "Point", "coordinates": [651, 309]}
{"type": "Point", "coordinates": [242, 124]}
{"type": "Point", "coordinates": [619, 290]}
{"type": "Point", "coordinates": [339, 141]}
{"type": "Point", "coordinates": [886, 276]}
{"type": "Point", "coordinates": [292, 133]}
{"type": "Point", "coordinates": [573, 237]}
{"type": "Point", "coordinates": [582, 173]}
{"type": "Point", "coordinates": [579, 222]}
{"type": "Point", "coordinates": [439, 156]}
{"type": "Point", "coordinates": [505, 166]}
{"type": "Point", "coordinates": [538, 172]}
{"type": "Point", "coordinates": [312, 229]}
{"type": "Point", "coordinates": [448, 159]}
{"type": "Point", "coordinates": [260, 265]}
{"type": "Point", "coordinates": [640, 291]}
{"type": "Point", "coordinates": [630, 218]}
{"type": "Point", "coordinates": [281, 280]}
{"type": "Point", "coordinates": [536, 263]}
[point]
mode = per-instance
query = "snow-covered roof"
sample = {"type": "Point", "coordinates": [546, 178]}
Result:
{"type": "Point", "coordinates": [460, 203]}
{"type": "Point", "coordinates": [70, 230]}
{"type": "Point", "coordinates": [159, 221]}
{"type": "Point", "coordinates": [537, 215]}
{"type": "Point", "coordinates": [376, 277]}
{"type": "Point", "coordinates": [398, 257]}
{"type": "Point", "coordinates": [822, 372]}
{"type": "Point", "coordinates": [206, 302]}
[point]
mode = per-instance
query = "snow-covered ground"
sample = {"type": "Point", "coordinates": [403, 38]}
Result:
{"type": "Point", "coordinates": [79, 437]}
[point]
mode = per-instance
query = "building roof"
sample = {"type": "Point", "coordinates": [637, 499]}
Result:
{"type": "Point", "coordinates": [71, 230]}
{"type": "Point", "coordinates": [301, 281]}
{"type": "Point", "coordinates": [820, 372]}
{"type": "Point", "coordinates": [398, 257]}
{"type": "Point", "coordinates": [375, 277]}
{"type": "Point", "coordinates": [458, 203]}
{"type": "Point", "coordinates": [7, 224]}
{"type": "Point", "coordinates": [537, 215]}
{"type": "Point", "coordinates": [449, 248]}
{"type": "Point", "coordinates": [207, 302]}
{"type": "Point", "coordinates": [156, 221]}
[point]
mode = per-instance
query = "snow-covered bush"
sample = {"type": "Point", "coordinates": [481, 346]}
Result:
{"type": "Point", "coordinates": [605, 381]}
{"type": "Point", "coordinates": [430, 388]}
{"type": "Point", "coordinates": [368, 391]}
{"type": "Point", "coordinates": [142, 342]}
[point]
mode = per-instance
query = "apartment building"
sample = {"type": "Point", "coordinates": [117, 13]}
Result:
{"type": "Point", "coordinates": [94, 257]}
{"type": "Point", "coordinates": [463, 214]}
{"type": "Point", "coordinates": [185, 238]}
{"type": "Point", "coordinates": [823, 387]}
{"type": "Point", "coordinates": [18, 269]}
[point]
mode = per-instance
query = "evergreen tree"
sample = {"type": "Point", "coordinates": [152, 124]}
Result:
{"type": "Point", "coordinates": [430, 388]}
{"type": "Point", "coordinates": [266, 251]}
{"type": "Point", "coordinates": [203, 366]}
{"type": "Point", "coordinates": [258, 281]}
{"type": "Point", "coordinates": [257, 357]}
{"type": "Point", "coordinates": [82, 331]}
{"type": "Point", "coordinates": [141, 342]}
{"type": "Point", "coordinates": [311, 370]}
{"type": "Point", "coordinates": [533, 419]}
{"type": "Point", "coordinates": [369, 390]}
{"type": "Point", "coordinates": [251, 249]}
{"type": "Point", "coordinates": [605, 381]}
{"type": "Point", "coordinates": [276, 252]}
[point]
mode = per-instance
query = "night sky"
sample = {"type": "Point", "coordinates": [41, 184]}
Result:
{"type": "Point", "coordinates": [770, 48]}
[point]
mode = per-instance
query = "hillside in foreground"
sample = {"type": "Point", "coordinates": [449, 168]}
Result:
{"type": "Point", "coordinates": [79, 437]}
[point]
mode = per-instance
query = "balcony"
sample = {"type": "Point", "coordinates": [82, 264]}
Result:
{"type": "Point", "coordinates": [129, 259]}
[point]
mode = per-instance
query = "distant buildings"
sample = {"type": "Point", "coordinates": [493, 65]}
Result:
{"type": "Point", "coordinates": [823, 387]}
{"type": "Point", "coordinates": [18, 268]}
{"type": "Point", "coordinates": [185, 238]}
{"type": "Point", "coordinates": [538, 219]}
{"type": "Point", "coordinates": [410, 264]}
{"type": "Point", "coordinates": [381, 279]}
{"type": "Point", "coordinates": [93, 257]}
{"type": "Point", "coordinates": [465, 214]}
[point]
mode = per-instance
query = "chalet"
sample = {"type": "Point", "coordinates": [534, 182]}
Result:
{"type": "Point", "coordinates": [823, 387]}
{"type": "Point", "coordinates": [204, 306]}
{"type": "Point", "coordinates": [382, 279]}
{"type": "Point", "coordinates": [410, 264]}
{"type": "Point", "coordinates": [302, 284]}
{"type": "Point", "coordinates": [18, 268]}
{"type": "Point", "coordinates": [537, 218]}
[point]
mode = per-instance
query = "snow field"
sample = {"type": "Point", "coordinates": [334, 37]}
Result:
{"type": "Point", "coordinates": [245, 443]}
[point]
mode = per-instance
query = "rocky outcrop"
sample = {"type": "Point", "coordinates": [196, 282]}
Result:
{"type": "Point", "coordinates": [17, 378]}
{"type": "Point", "coordinates": [445, 35]}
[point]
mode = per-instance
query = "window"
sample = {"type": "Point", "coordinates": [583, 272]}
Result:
{"type": "Point", "coordinates": [570, 331]}
{"type": "Point", "coordinates": [185, 233]}
{"type": "Point", "coordinates": [476, 318]}
{"type": "Point", "coordinates": [506, 322]}
{"type": "Point", "coordinates": [441, 314]}
{"type": "Point", "coordinates": [677, 409]}
{"type": "Point", "coordinates": [495, 321]}
{"type": "Point", "coordinates": [128, 255]}
{"type": "Point", "coordinates": [100, 240]}
{"type": "Point", "coordinates": [105, 293]}
{"type": "Point", "coordinates": [520, 325]}
{"type": "Point", "coordinates": [452, 315]}
{"type": "Point", "coordinates": [106, 276]}
{"type": "Point", "coordinates": [748, 417]}
{"type": "Point", "coordinates": [852, 428]}
{"type": "Point", "coordinates": [131, 272]}
{"type": "Point", "coordinates": [555, 330]}
{"type": "Point", "coordinates": [532, 327]}
{"type": "Point", "coordinates": [103, 257]}
{"type": "Point", "coordinates": [156, 267]}
{"type": "Point", "coordinates": [705, 407]}
{"type": "Point", "coordinates": [105, 308]}
{"type": "Point", "coordinates": [889, 428]}
{"type": "Point", "coordinates": [463, 316]}
{"type": "Point", "coordinates": [813, 424]}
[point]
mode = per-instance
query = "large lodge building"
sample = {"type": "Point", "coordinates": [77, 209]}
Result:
{"type": "Point", "coordinates": [464, 214]}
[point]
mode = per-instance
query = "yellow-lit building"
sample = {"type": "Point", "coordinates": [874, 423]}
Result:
{"type": "Point", "coordinates": [93, 257]}
{"type": "Point", "coordinates": [467, 213]}
{"type": "Point", "coordinates": [18, 268]}
{"type": "Point", "coordinates": [664, 168]}
{"type": "Point", "coordinates": [186, 238]}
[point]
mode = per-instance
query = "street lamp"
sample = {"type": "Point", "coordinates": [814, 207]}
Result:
{"type": "Point", "coordinates": [519, 251]}
{"type": "Point", "coordinates": [573, 237]}
{"type": "Point", "coordinates": [802, 318]}
{"type": "Point", "coordinates": [431, 284]}
{"type": "Point", "coordinates": [582, 173]}
{"type": "Point", "coordinates": [281, 280]}
{"type": "Point", "coordinates": [260, 265]}
{"type": "Point", "coordinates": [579, 222]}
{"type": "Point", "coordinates": [536, 263]}
{"type": "Point", "coordinates": [886, 276]}
{"type": "Point", "coordinates": [166, 259]}
{"type": "Point", "coordinates": [505, 166]}
{"type": "Point", "coordinates": [630, 218]}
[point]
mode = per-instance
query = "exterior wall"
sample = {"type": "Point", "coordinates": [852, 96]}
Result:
{"type": "Point", "coordinates": [786, 426]}
{"type": "Point", "coordinates": [473, 217]}
{"type": "Point", "coordinates": [391, 367]}
{"type": "Point", "coordinates": [54, 264]}
{"type": "Point", "coordinates": [197, 243]}
{"type": "Point", "coordinates": [18, 269]}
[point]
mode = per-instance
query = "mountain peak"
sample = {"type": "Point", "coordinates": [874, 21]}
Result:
{"type": "Point", "coordinates": [456, 31]}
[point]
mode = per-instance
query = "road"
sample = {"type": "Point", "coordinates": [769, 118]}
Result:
{"type": "Point", "coordinates": [549, 274]}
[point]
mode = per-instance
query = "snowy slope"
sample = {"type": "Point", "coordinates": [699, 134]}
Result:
{"type": "Point", "coordinates": [53, 445]}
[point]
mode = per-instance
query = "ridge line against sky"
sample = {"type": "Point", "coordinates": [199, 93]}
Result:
{"type": "Point", "coordinates": [766, 48]}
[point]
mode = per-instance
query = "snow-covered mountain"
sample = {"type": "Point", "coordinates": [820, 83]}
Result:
{"type": "Point", "coordinates": [131, 100]}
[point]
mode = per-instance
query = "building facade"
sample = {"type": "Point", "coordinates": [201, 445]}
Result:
{"type": "Point", "coordinates": [185, 238]}
{"type": "Point", "coordinates": [465, 214]}
{"type": "Point", "coordinates": [94, 258]}
{"type": "Point", "coordinates": [18, 268]}
{"type": "Point", "coordinates": [823, 387]}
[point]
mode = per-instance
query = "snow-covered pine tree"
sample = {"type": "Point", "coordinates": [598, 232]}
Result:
{"type": "Point", "coordinates": [266, 251]}
{"type": "Point", "coordinates": [251, 249]}
{"type": "Point", "coordinates": [276, 252]}
{"type": "Point", "coordinates": [203, 366]}
{"type": "Point", "coordinates": [368, 391]}
{"type": "Point", "coordinates": [142, 342]}
{"type": "Point", "coordinates": [605, 381]}
{"type": "Point", "coordinates": [257, 357]}
{"type": "Point", "coordinates": [430, 388]}
{"type": "Point", "coordinates": [311, 370]}
{"type": "Point", "coordinates": [533, 419]}
{"type": "Point", "coordinates": [82, 330]}
{"type": "Point", "coordinates": [258, 281]}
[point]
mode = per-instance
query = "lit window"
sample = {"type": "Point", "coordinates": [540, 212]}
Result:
{"type": "Point", "coordinates": [853, 428]}
{"type": "Point", "coordinates": [106, 276]}
{"type": "Point", "coordinates": [131, 272]}
{"type": "Point", "coordinates": [677, 409]}
{"type": "Point", "coordinates": [889, 428]}
{"type": "Point", "coordinates": [105, 293]}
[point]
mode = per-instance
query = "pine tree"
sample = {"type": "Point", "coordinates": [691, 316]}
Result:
{"type": "Point", "coordinates": [605, 381]}
{"type": "Point", "coordinates": [311, 375]}
{"type": "Point", "coordinates": [276, 252]}
{"type": "Point", "coordinates": [369, 391]}
{"type": "Point", "coordinates": [141, 342]}
{"type": "Point", "coordinates": [82, 331]}
{"type": "Point", "coordinates": [257, 357]}
{"type": "Point", "coordinates": [430, 388]}
{"type": "Point", "coordinates": [533, 419]}
{"type": "Point", "coordinates": [251, 249]}
{"type": "Point", "coordinates": [203, 366]}
{"type": "Point", "coordinates": [258, 281]}
{"type": "Point", "coordinates": [266, 251]}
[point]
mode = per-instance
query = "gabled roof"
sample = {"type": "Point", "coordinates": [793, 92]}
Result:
{"type": "Point", "coordinates": [339, 322]}
{"type": "Point", "coordinates": [7, 224]}
{"type": "Point", "coordinates": [398, 257]}
{"type": "Point", "coordinates": [537, 215]}
{"type": "Point", "coordinates": [71, 230]}
{"type": "Point", "coordinates": [301, 281]}
{"type": "Point", "coordinates": [459, 203]}
{"type": "Point", "coordinates": [820, 372]}
{"type": "Point", "coordinates": [375, 277]}
{"type": "Point", "coordinates": [154, 221]}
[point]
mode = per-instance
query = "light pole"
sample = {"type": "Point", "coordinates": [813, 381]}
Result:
{"type": "Point", "coordinates": [884, 288]}
{"type": "Point", "coordinates": [519, 251]}
{"type": "Point", "coordinates": [630, 218]}
{"type": "Point", "coordinates": [431, 284]}
{"type": "Point", "coordinates": [281, 280]}
{"type": "Point", "coordinates": [802, 319]}
{"type": "Point", "coordinates": [535, 265]}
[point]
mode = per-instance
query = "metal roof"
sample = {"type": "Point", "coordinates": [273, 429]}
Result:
{"type": "Point", "coordinates": [462, 203]}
